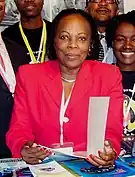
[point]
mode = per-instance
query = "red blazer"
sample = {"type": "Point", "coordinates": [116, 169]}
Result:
{"type": "Point", "coordinates": [37, 105]}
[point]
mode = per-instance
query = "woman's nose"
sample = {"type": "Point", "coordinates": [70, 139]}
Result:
{"type": "Point", "coordinates": [128, 44]}
{"type": "Point", "coordinates": [73, 43]}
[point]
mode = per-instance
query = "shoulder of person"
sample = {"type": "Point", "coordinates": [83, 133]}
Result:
{"type": "Point", "coordinates": [104, 69]}
{"type": "Point", "coordinates": [10, 30]}
{"type": "Point", "coordinates": [48, 24]}
{"type": "Point", "coordinates": [10, 41]}
{"type": "Point", "coordinates": [39, 69]}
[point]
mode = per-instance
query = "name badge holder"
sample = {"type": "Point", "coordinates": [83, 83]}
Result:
{"type": "Point", "coordinates": [65, 147]}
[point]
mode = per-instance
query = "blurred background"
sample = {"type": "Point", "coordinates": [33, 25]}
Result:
{"type": "Point", "coordinates": [51, 9]}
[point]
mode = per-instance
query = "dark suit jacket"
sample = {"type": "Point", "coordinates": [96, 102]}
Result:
{"type": "Point", "coordinates": [18, 57]}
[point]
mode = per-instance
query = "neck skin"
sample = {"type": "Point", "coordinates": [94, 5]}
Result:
{"type": "Point", "coordinates": [32, 23]}
{"type": "Point", "coordinates": [101, 26]}
{"type": "Point", "coordinates": [125, 67]}
{"type": "Point", "coordinates": [101, 29]}
{"type": "Point", "coordinates": [69, 74]}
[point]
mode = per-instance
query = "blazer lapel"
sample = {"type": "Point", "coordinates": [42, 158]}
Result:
{"type": "Point", "coordinates": [54, 83]}
{"type": "Point", "coordinates": [82, 85]}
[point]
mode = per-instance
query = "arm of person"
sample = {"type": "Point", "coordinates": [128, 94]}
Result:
{"type": "Point", "coordinates": [114, 125]}
{"type": "Point", "coordinates": [20, 137]}
{"type": "Point", "coordinates": [20, 130]}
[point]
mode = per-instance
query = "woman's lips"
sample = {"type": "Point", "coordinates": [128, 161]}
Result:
{"type": "Point", "coordinates": [127, 54]}
{"type": "Point", "coordinates": [72, 56]}
{"type": "Point", "coordinates": [102, 11]}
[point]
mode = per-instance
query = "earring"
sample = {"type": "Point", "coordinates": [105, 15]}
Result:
{"type": "Point", "coordinates": [90, 50]}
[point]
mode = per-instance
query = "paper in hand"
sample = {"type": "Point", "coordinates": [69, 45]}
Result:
{"type": "Point", "coordinates": [97, 116]}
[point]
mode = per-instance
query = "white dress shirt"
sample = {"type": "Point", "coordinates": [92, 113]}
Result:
{"type": "Point", "coordinates": [7, 74]}
{"type": "Point", "coordinates": [108, 52]}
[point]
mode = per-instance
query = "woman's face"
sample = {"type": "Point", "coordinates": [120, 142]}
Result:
{"type": "Point", "coordinates": [72, 40]}
{"type": "Point", "coordinates": [124, 45]}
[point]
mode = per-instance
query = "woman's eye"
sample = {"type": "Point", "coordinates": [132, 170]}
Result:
{"type": "Point", "coordinates": [64, 37]}
{"type": "Point", "coordinates": [133, 39]}
{"type": "Point", "coordinates": [82, 38]}
{"type": "Point", "coordinates": [119, 39]}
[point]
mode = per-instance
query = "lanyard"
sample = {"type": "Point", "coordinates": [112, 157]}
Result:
{"type": "Point", "coordinates": [63, 108]}
{"type": "Point", "coordinates": [41, 47]}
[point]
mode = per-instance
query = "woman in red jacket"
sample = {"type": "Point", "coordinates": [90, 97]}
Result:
{"type": "Point", "coordinates": [51, 99]}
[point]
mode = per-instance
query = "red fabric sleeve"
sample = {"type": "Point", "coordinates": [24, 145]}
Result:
{"type": "Point", "coordinates": [20, 130]}
{"type": "Point", "coordinates": [114, 126]}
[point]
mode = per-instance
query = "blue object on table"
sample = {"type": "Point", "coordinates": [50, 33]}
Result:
{"type": "Point", "coordinates": [122, 170]}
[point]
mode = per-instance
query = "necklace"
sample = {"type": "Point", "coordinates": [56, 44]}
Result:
{"type": "Point", "coordinates": [67, 80]}
{"type": "Point", "coordinates": [41, 47]}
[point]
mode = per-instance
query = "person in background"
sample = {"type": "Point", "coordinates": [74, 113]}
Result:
{"type": "Point", "coordinates": [120, 35]}
{"type": "Point", "coordinates": [102, 12]}
{"type": "Point", "coordinates": [6, 99]}
{"type": "Point", "coordinates": [51, 106]}
{"type": "Point", "coordinates": [32, 32]}
{"type": "Point", "coordinates": [11, 55]}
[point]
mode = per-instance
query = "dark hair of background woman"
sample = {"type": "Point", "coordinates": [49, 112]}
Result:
{"type": "Point", "coordinates": [114, 24]}
{"type": "Point", "coordinates": [95, 39]}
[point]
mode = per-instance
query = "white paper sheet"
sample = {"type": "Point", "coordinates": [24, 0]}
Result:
{"type": "Point", "coordinates": [50, 169]}
{"type": "Point", "coordinates": [97, 116]}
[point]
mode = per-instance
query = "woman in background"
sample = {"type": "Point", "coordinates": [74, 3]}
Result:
{"type": "Point", "coordinates": [121, 37]}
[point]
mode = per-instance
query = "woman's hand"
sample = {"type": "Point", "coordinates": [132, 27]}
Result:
{"type": "Point", "coordinates": [106, 158]}
{"type": "Point", "coordinates": [33, 154]}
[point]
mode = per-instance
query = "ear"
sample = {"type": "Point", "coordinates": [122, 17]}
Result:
{"type": "Point", "coordinates": [118, 12]}
{"type": "Point", "coordinates": [86, 9]}
{"type": "Point", "coordinates": [112, 44]}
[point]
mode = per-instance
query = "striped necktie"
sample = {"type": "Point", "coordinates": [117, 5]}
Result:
{"type": "Point", "coordinates": [2, 63]}
{"type": "Point", "coordinates": [101, 50]}
{"type": "Point", "coordinates": [3, 70]}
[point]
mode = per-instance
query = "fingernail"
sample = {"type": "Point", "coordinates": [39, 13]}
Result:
{"type": "Point", "coordinates": [100, 166]}
{"type": "Point", "coordinates": [34, 145]}
{"type": "Point", "coordinates": [91, 156]}
{"type": "Point", "coordinates": [40, 161]}
{"type": "Point", "coordinates": [50, 152]}
{"type": "Point", "coordinates": [41, 148]}
{"type": "Point", "coordinates": [87, 159]}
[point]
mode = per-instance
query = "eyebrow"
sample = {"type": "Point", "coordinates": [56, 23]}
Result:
{"type": "Point", "coordinates": [63, 31]}
{"type": "Point", "coordinates": [120, 35]}
{"type": "Point", "coordinates": [78, 33]}
{"type": "Point", "coordinates": [83, 33]}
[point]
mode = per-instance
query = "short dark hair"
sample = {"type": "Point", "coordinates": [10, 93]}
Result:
{"type": "Point", "coordinates": [114, 24]}
{"type": "Point", "coordinates": [55, 23]}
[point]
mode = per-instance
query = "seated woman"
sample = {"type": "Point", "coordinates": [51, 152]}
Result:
{"type": "Point", "coordinates": [121, 37]}
{"type": "Point", "coordinates": [51, 99]}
